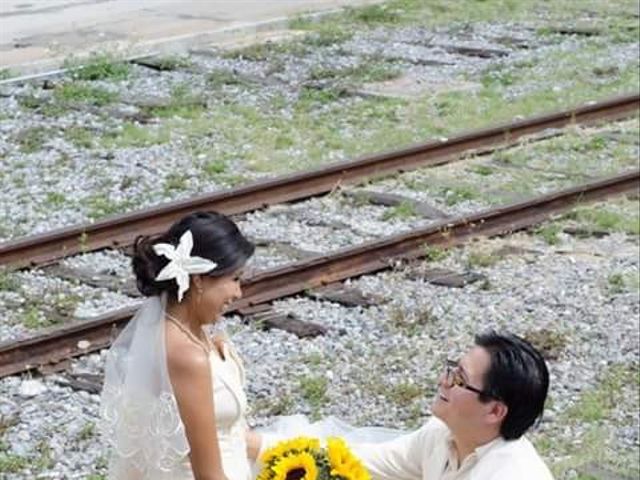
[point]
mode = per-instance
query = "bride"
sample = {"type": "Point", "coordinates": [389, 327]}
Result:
{"type": "Point", "coordinates": [173, 403]}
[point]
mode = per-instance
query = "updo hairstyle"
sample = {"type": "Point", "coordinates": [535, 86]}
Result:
{"type": "Point", "coordinates": [215, 237]}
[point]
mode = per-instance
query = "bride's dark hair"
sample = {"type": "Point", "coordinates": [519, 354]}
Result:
{"type": "Point", "coordinates": [215, 237]}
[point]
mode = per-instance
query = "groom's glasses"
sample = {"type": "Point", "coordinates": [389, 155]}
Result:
{"type": "Point", "coordinates": [453, 378]}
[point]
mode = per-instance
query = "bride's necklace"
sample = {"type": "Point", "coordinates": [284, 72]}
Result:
{"type": "Point", "coordinates": [188, 333]}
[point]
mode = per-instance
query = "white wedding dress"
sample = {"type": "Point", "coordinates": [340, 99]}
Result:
{"type": "Point", "coordinates": [230, 402]}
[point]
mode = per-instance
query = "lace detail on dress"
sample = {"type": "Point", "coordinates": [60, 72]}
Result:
{"type": "Point", "coordinates": [139, 417]}
{"type": "Point", "coordinates": [145, 433]}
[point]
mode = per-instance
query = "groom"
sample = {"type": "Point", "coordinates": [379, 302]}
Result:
{"type": "Point", "coordinates": [485, 402]}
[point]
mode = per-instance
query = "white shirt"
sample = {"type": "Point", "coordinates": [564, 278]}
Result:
{"type": "Point", "coordinates": [428, 454]}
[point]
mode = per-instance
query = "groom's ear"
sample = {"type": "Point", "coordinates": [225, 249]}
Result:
{"type": "Point", "coordinates": [497, 412]}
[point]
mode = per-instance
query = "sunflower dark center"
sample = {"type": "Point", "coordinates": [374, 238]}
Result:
{"type": "Point", "coordinates": [296, 474]}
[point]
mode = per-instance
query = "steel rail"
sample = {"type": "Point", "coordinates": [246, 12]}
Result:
{"type": "Point", "coordinates": [121, 230]}
{"type": "Point", "coordinates": [81, 338]}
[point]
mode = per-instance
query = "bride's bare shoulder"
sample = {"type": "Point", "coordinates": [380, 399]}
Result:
{"type": "Point", "coordinates": [183, 355]}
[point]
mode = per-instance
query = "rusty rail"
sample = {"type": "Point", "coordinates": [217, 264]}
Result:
{"type": "Point", "coordinates": [121, 230]}
{"type": "Point", "coordinates": [85, 337]}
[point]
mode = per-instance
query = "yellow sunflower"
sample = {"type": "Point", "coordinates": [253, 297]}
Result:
{"type": "Point", "coordinates": [343, 462]}
{"type": "Point", "coordinates": [301, 466]}
{"type": "Point", "coordinates": [295, 445]}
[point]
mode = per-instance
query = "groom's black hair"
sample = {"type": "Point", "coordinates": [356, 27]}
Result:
{"type": "Point", "coordinates": [519, 377]}
{"type": "Point", "coordinates": [215, 237]}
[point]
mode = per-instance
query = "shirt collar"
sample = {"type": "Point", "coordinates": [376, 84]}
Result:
{"type": "Point", "coordinates": [479, 451]}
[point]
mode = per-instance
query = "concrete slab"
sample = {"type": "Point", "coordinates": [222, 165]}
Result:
{"type": "Point", "coordinates": [37, 35]}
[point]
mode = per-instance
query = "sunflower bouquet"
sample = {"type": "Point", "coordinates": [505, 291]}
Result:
{"type": "Point", "coordinates": [304, 458]}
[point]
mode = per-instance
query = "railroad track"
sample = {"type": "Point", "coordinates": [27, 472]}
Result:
{"type": "Point", "coordinates": [120, 231]}
{"type": "Point", "coordinates": [74, 340]}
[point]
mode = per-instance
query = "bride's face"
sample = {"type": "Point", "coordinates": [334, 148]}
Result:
{"type": "Point", "coordinates": [218, 293]}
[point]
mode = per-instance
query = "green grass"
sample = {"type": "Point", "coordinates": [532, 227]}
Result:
{"type": "Point", "coordinates": [32, 139]}
{"type": "Point", "coordinates": [549, 233]}
{"type": "Point", "coordinates": [480, 257]}
{"type": "Point", "coordinates": [135, 136]}
{"type": "Point", "coordinates": [87, 432]}
{"type": "Point", "coordinates": [214, 168]}
{"type": "Point", "coordinates": [81, 137]}
{"type": "Point", "coordinates": [98, 67]}
{"type": "Point", "coordinates": [623, 282]}
{"type": "Point", "coordinates": [99, 205]}
{"type": "Point", "coordinates": [314, 391]}
{"type": "Point", "coordinates": [55, 199]}
{"type": "Point", "coordinates": [404, 394]}
{"type": "Point", "coordinates": [6, 73]}
{"type": "Point", "coordinates": [366, 72]}
{"type": "Point", "coordinates": [434, 254]}
{"type": "Point", "coordinates": [183, 103]}
{"type": "Point", "coordinates": [459, 193]}
{"type": "Point", "coordinates": [404, 210]}
{"type": "Point", "coordinates": [603, 217]}
{"type": "Point", "coordinates": [172, 62]}
{"type": "Point", "coordinates": [592, 445]}
{"type": "Point", "coordinates": [261, 52]}
{"type": "Point", "coordinates": [13, 463]}
{"type": "Point", "coordinates": [597, 404]}
{"type": "Point", "coordinates": [8, 282]}
{"type": "Point", "coordinates": [81, 93]}
{"type": "Point", "coordinates": [175, 182]}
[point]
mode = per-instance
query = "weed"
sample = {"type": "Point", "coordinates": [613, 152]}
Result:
{"type": "Point", "coordinates": [483, 170]}
{"type": "Point", "coordinates": [310, 97]}
{"type": "Point", "coordinates": [374, 14]}
{"type": "Point", "coordinates": [100, 205]}
{"type": "Point", "coordinates": [327, 36]}
{"type": "Point", "coordinates": [81, 137]}
{"type": "Point", "coordinates": [273, 406]}
{"type": "Point", "coordinates": [598, 403]}
{"type": "Point", "coordinates": [366, 72]}
{"type": "Point", "coordinates": [261, 52]}
{"type": "Point", "coordinates": [98, 67]}
{"type": "Point", "coordinates": [172, 62]}
{"type": "Point", "coordinates": [456, 194]}
{"type": "Point", "coordinates": [314, 391]}
{"type": "Point", "coordinates": [8, 282]}
{"type": "Point", "coordinates": [404, 210]}
{"type": "Point", "coordinates": [549, 342]}
{"type": "Point", "coordinates": [220, 77]}
{"type": "Point", "coordinates": [313, 360]}
{"type": "Point", "coordinates": [620, 283]}
{"type": "Point", "coordinates": [30, 102]}
{"type": "Point", "coordinates": [434, 254]}
{"type": "Point", "coordinates": [87, 432]}
{"type": "Point", "coordinates": [411, 323]}
{"type": "Point", "coordinates": [10, 463]}
{"type": "Point", "coordinates": [601, 217]}
{"type": "Point", "coordinates": [55, 199]}
{"type": "Point", "coordinates": [34, 318]}
{"type": "Point", "coordinates": [44, 460]}
{"type": "Point", "coordinates": [134, 136]}
{"type": "Point", "coordinates": [482, 258]}
{"type": "Point", "coordinates": [6, 74]}
{"type": "Point", "coordinates": [32, 139]}
{"type": "Point", "coordinates": [215, 167]}
{"type": "Point", "coordinates": [77, 92]}
{"type": "Point", "coordinates": [175, 182]}
{"type": "Point", "coordinates": [549, 233]}
{"type": "Point", "coordinates": [404, 394]}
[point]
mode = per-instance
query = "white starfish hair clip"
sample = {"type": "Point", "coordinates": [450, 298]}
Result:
{"type": "Point", "coordinates": [181, 263]}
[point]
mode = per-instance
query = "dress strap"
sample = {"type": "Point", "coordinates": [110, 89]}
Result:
{"type": "Point", "coordinates": [189, 334]}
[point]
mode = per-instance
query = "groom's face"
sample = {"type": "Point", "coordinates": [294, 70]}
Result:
{"type": "Point", "coordinates": [457, 406]}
